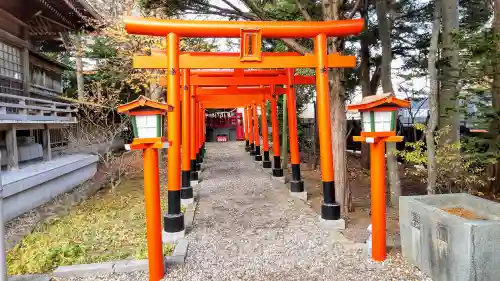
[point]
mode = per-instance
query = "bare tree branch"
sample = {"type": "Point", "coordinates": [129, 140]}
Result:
{"type": "Point", "coordinates": [233, 6]}
{"type": "Point", "coordinates": [291, 43]}
{"type": "Point", "coordinates": [357, 4]}
{"type": "Point", "coordinates": [234, 12]}
{"type": "Point", "coordinates": [303, 10]}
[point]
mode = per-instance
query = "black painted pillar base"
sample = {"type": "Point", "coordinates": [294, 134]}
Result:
{"type": "Point", "coordinates": [186, 189]}
{"type": "Point", "coordinates": [197, 164]}
{"type": "Point", "coordinates": [173, 220]}
{"type": "Point", "coordinates": [252, 149]}
{"type": "Point", "coordinates": [247, 146]}
{"type": "Point", "coordinates": [330, 210]}
{"type": "Point", "coordinates": [277, 171]}
{"type": "Point", "coordinates": [173, 223]}
{"type": "Point", "coordinates": [296, 184]}
{"type": "Point", "coordinates": [258, 157]}
{"type": "Point", "coordinates": [194, 173]}
{"type": "Point", "coordinates": [266, 162]}
{"type": "Point", "coordinates": [187, 192]}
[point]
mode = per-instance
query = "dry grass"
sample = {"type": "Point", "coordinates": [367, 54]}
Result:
{"type": "Point", "coordinates": [108, 226]}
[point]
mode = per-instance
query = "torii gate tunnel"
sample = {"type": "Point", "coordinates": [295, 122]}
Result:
{"type": "Point", "coordinates": [251, 78]}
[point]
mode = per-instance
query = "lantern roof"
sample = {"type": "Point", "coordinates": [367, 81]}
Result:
{"type": "Point", "coordinates": [385, 100]}
{"type": "Point", "coordinates": [142, 103]}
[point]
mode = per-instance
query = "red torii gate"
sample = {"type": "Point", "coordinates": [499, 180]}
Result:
{"type": "Point", "coordinates": [250, 56]}
{"type": "Point", "coordinates": [208, 84]}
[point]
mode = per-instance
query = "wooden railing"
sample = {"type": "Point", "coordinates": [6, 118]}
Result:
{"type": "Point", "coordinates": [18, 109]}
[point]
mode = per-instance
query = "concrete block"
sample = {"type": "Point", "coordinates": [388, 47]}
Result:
{"type": "Point", "coordinates": [195, 183]}
{"type": "Point", "coordinates": [268, 170]}
{"type": "Point", "coordinates": [187, 202]}
{"type": "Point", "coordinates": [448, 247]}
{"type": "Point", "coordinates": [354, 246]}
{"type": "Point", "coordinates": [36, 184]}
{"type": "Point", "coordinates": [336, 236]}
{"type": "Point", "coordinates": [332, 224]}
{"type": "Point", "coordinates": [83, 270]}
{"type": "Point", "coordinates": [174, 260]}
{"type": "Point", "coordinates": [279, 179]}
{"type": "Point", "coordinates": [189, 215]}
{"type": "Point", "coordinates": [300, 195]}
{"type": "Point", "coordinates": [181, 247]}
{"type": "Point", "coordinates": [131, 266]}
{"type": "Point", "coordinates": [170, 238]}
{"type": "Point", "coordinates": [35, 277]}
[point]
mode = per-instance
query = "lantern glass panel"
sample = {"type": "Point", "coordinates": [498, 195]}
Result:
{"type": "Point", "coordinates": [366, 119]}
{"type": "Point", "coordinates": [383, 121]}
{"type": "Point", "coordinates": [147, 126]}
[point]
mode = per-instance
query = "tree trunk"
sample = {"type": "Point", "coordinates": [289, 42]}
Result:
{"type": "Point", "coordinates": [332, 11]}
{"type": "Point", "coordinates": [433, 101]}
{"type": "Point", "coordinates": [365, 79]}
{"type": "Point", "coordinates": [494, 127]}
{"type": "Point", "coordinates": [384, 30]}
{"type": "Point", "coordinates": [79, 67]}
{"type": "Point", "coordinates": [448, 104]}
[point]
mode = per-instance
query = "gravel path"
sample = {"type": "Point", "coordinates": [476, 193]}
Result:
{"type": "Point", "coordinates": [247, 228]}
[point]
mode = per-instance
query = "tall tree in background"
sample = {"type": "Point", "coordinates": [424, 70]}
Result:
{"type": "Point", "coordinates": [449, 116]}
{"type": "Point", "coordinates": [494, 126]}
{"type": "Point", "coordinates": [433, 100]}
{"type": "Point", "coordinates": [364, 73]}
{"type": "Point", "coordinates": [384, 30]}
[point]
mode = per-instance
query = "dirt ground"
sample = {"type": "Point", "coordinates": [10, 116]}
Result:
{"type": "Point", "coordinates": [359, 180]}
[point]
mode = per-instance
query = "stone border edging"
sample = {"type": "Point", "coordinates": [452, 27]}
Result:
{"type": "Point", "coordinates": [189, 214]}
{"type": "Point", "coordinates": [122, 266]}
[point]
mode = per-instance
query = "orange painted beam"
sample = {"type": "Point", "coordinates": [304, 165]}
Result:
{"type": "Point", "coordinates": [244, 81]}
{"type": "Point", "coordinates": [237, 54]}
{"type": "Point", "coordinates": [231, 101]}
{"type": "Point", "coordinates": [231, 91]}
{"type": "Point", "coordinates": [224, 104]}
{"type": "Point", "coordinates": [248, 81]}
{"type": "Point", "coordinates": [221, 62]}
{"type": "Point", "coordinates": [251, 95]}
{"type": "Point", "coordinates": [226, 98]}
{"type": "Point", "coordinates": [162, 52]}
{"type": "Point", "coordinates": [232, 29]}
{"type": "Point", "coordinates": [159, 56]}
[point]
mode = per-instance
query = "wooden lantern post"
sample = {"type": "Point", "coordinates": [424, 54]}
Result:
{"type": "Point", "coordinates": [147, 123]}
{"type": "Point", "coordinates": [379, 116]}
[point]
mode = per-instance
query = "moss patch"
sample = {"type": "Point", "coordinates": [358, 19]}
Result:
{"type": "Point", "coordinates": [111, 225]}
